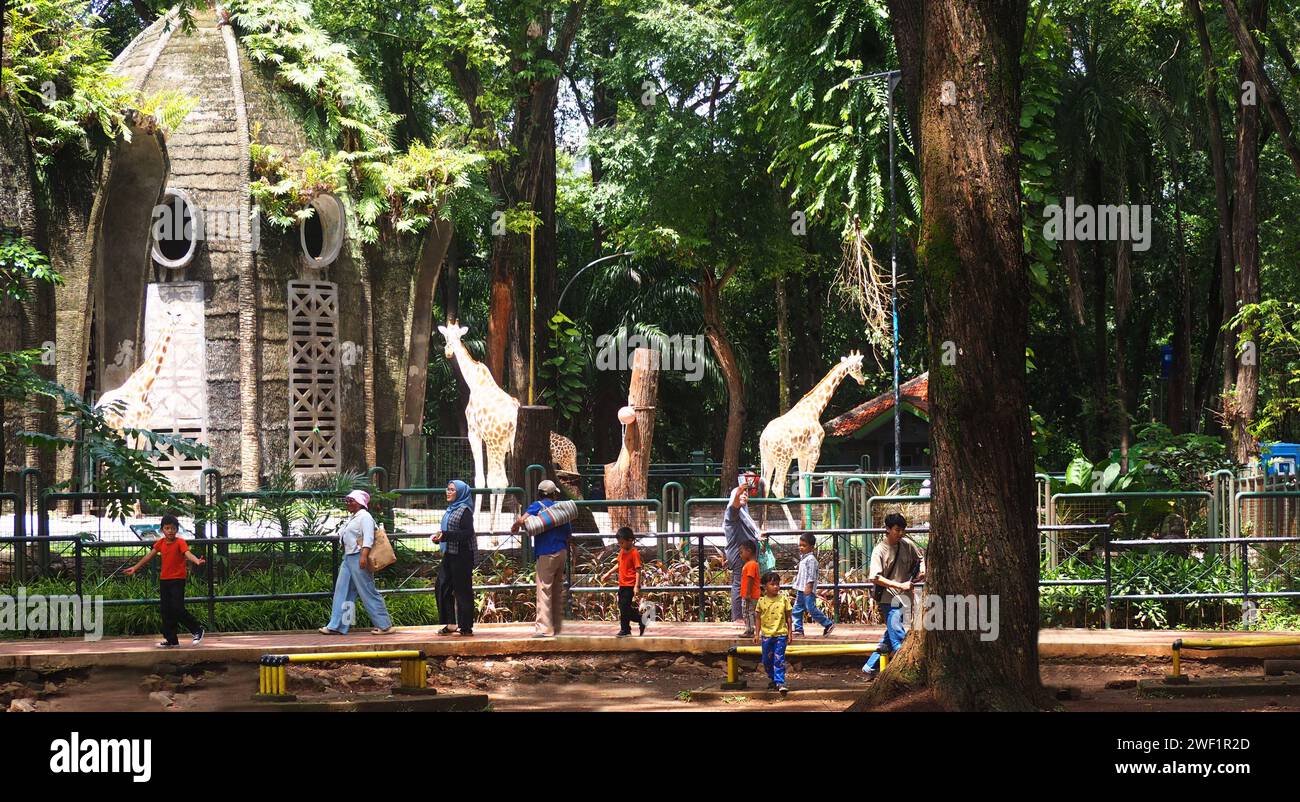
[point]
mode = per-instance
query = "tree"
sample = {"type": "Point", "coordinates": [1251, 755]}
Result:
{"type": "Point", "coordinates": [983, 536]}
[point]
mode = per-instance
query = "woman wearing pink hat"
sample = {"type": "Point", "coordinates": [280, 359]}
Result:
{"type": "Point", "coordinates": [355, 573]}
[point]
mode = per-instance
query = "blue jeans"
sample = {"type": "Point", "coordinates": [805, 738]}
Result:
{"type": "Point", "coordinates": [354, 582]}
{"type": "Point", "coordinates": [891, 640]}
{"type": "Point", "coordinates": [774, 658]}
{"type": "Point", "coordinates": [807, 602]}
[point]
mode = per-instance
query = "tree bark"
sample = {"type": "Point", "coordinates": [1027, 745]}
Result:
{"type": "Point", "coordinates": [710, 291]}
{"type": "Point", "coordinates": [983, 536]}
{"type": "Point", "coordinates": [782, 347]}
{"type": "Point", "coordinates": [1252, 58]}
{"type": "Point", "coordinates": [1222, 204]}
{"type": "Point", "coordinates": [432, 255]}
{"type": "Point", "coordinates": [1241, 411]}
{"type": "Point", "coordinates": [629, 476]}
{"type": "Point", "coordinates": [1181, 369]}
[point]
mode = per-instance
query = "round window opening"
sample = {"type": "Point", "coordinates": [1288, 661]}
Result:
{"type": "Point", "coordinates": [177, 228]}
{"type": "Point", "coordinates": [321, 235]}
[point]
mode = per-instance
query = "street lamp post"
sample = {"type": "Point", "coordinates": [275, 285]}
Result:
{"type": "Point", "coordinates": [894, 77]}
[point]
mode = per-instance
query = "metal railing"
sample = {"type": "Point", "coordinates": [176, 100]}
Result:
{"type": "Point", "coordinates": [1119, 547]}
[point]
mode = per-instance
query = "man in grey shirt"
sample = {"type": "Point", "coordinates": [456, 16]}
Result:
{"type": "Point", "coordinates": [896, 563]}
{"type": "Point", "coordinates": [739, 527]}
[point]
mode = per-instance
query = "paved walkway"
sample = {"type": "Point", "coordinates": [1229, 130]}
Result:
{"type": "Point", "coordinates": [499, 639]}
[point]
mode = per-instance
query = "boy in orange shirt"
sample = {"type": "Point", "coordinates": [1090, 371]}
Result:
{"type": "Point", "coordinates": [629, 583]}
{"type": "Point", "coordinates": [749, 586]}
{"type": "Point", "coordinates": [171, 582]}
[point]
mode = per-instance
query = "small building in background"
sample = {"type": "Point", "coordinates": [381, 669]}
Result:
{"type": "Point", "coordinates": [865, 434]}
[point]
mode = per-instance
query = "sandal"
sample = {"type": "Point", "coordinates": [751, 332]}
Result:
{"type": "Point", "coordinates": [378, 631]}
{"type": "Point", "coordinates": [446, 631]}
{"type": "Point", "coordinates": [469, 634]}
{"type": "Point", "coordinates": [328, 631]}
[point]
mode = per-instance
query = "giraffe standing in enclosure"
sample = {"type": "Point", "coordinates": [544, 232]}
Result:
{"type": "Point", "coordinates": [798, 434]}
{"type": "Point", "coordinates": [563, 453]}
{"type": "Point", "coordinates": [490, 416]}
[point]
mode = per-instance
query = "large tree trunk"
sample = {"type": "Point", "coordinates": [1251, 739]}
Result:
{"type": "Point", "coordinates": [983, 538]}
{"type": "Point", "coordinates": [710, 290]}
{"type": "Point", "coordinates": [1179, 380]}
{"type": "Point", "coordinates": [1245, 239]}
{"type": "Point", "coordinates": [1252, 59]}
{"type": "Point", "coordinates": [1219, 163]}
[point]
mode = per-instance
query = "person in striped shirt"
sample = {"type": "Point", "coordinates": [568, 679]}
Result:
{"type": "Point", "coordinates": [805, 586]}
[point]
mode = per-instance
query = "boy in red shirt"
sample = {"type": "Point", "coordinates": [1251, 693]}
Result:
{"type": "Point", "coordinates": [749, 586]}
{"type": "Point", "coordinates": [629, 583]}
{"type": "Point", "coordinates": [171, 582]}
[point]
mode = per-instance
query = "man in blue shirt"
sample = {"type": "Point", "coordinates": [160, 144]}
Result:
{"type": "Point", "coordinates": [551, 549]}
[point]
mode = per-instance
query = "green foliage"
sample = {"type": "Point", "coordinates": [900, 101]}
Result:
{"type": "Point", "coordinates": [564, 375]}
{"type": "Point", "coordinates": [56, 71]}
{"type": "Point", "coordinates": [351, 127]}
{"type": "Point", "coordinates": [20, 264]}
{"type": "Point", "coordinates": [1273, 325]}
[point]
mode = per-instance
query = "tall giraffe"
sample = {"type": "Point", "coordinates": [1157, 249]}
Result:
{"type": "Point", "coordinates": [798, 434]}
{"type": "Point", "coordinates": [128, 406]}
{"type": "Point", "coordinates": [490, 415]}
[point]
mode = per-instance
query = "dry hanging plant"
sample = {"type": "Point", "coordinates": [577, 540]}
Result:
{"type": "Point", "coordinates": [864, 284]}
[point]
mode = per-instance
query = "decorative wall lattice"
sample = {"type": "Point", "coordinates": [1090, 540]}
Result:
{"type": "Point", "coordinates": [314, 375]}
{"type": "Point", "coordinates": [179, 395]}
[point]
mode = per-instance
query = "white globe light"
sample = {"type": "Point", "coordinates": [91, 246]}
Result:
{"type": "Point", "coordinates": [626, 415]}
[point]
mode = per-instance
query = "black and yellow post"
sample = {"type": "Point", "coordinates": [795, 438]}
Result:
{"type": "Point", "coordinates": [272, 676]}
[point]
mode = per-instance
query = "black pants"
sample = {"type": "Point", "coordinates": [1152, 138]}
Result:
{"type": "Point", "coordinates": [627, 612]}
{"type": "Point", "coordinates": [455, 591]}
{"type": "Point", "coordinates": [171, 593]}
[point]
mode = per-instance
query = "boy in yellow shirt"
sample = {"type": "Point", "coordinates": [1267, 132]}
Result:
{"type": "Point", "coordinates": [774, 626]}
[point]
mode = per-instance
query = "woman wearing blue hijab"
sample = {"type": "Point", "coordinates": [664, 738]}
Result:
{"type": "Point", "coordinates": [455, 587]}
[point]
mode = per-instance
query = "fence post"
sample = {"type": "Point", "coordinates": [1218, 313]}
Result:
{"type": "Point", "coordinates": [701, 577]}
{"type": "Point", "coordinates": [76, 551]}
{"type": "Point", "coordinates": [835, 547]}
{"type": "Point", "coordinates": [1106, 540]}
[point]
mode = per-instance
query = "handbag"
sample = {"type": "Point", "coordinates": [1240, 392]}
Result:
{"type": "Point", "coordinates": [381, 554]}
{"type": "Point", "coordinates": [766, 558]}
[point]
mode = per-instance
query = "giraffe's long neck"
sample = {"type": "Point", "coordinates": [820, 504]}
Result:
{"type": "Point", "coordinates": [470, 368]}
{"type": "Point", "coordinates": [818, 397]}
{"type": "Point", "coordinates": [153, 363]}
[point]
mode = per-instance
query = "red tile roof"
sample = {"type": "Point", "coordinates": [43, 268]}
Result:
{"type": "Point", "coordinates": [914, 393]}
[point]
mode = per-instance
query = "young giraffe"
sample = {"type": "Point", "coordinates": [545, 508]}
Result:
{"type": "Point", "coordinates": [563, 453]}
{"type": "Point", "coordinates": [491, 416]}
{"type": "Point", "coordinates": [798, 434]}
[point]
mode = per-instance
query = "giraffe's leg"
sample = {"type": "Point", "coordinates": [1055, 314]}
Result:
{"type": "Point", "coordinates": [496, 467]}
{"type": "Point", "coordinates": [807, 465]}
{"type": "Point", "coordinates": [778, 490]}
{"type": "Point", "coordinates": [476, 449]}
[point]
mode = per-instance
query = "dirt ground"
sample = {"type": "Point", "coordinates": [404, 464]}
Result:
{"type": "Point", "coordinates": [579, 683]}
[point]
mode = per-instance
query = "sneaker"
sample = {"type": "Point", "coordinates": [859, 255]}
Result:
{"type": "Point", "coordinates": [781, 689]}
{"type": "Point", "coordinates": [623, 634]}
{"type": "Point", "coordinates": [198, 636]}
{"type": "Point", "coordinates": [828, 629]}
{"type": "Point", "coordinates": [166, 645]}
{"type": "Point", "coordinates": [869, 675]}
{"type": "Point", "coordinates": [641, 624]}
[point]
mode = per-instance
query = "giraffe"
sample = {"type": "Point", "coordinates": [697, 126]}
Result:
{"type": "Point", "coordinates": [798, 433]}
{"type": "Point", "coordinates": [563, 453]}
{"type": "Point", "coordinates": [128, 406]}
{"type": "Point", "coordinates": [491, 416]}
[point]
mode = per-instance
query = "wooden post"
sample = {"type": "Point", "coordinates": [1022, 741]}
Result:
{"type": "Point", "coordinates": [629, 476]}
{"type": "Point", "coordinates": [532, 443]}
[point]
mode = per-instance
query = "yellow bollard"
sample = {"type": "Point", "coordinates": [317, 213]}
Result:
{"type": "Point", "coordinates": [1178, 669]}
{"type": "Point", "coordinates": [731, 668]}
{"type": "Point", "coordinates": [884, 660]}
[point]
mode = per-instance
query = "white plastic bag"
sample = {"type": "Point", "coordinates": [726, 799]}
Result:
{"type": "Point", "coordinates": [647, 609]}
